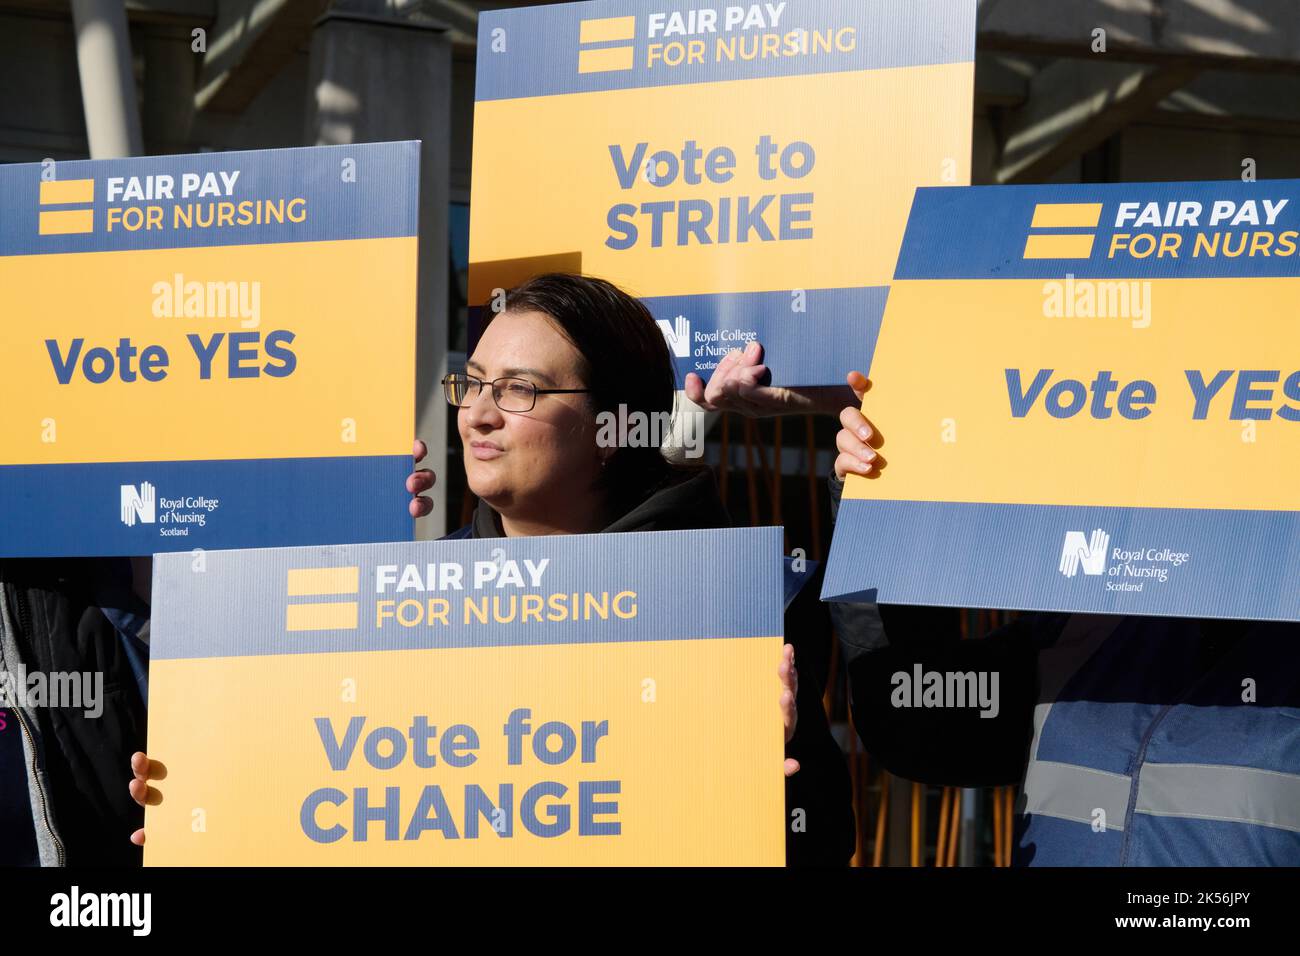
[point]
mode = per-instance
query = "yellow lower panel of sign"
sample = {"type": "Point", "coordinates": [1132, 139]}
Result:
{"type": "Point", "coordinates": [640, 753]}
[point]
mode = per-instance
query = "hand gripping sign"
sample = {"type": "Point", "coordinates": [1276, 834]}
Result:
{"type": "Point", "coordinates": [584, 700]}
{"type": "Point", "coordinates": [207, 351]}
{"type": "Point", "coordinates": [744, 168]}
{"type": "Point", "coordinates": [1089, 399]}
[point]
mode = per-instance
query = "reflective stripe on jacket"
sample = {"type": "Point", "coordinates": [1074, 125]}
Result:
{"type": "Point", "coordinates": [1150, 749]}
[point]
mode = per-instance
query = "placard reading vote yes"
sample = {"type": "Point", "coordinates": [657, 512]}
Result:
{"type": "Point", "coordinates": [1089, 398]}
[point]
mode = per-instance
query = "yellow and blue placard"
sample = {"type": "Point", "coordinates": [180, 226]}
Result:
{"type": "Point", "coordinates": [208, 351]}
{"type": "Point", "coordinates": [744, 169]}
{"type": "Point", "coordinates": [1089, 399]}
{"type": "Point", "coordinates": [581, 700]}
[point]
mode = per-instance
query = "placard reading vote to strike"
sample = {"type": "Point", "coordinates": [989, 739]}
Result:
{"type": "Point", "coordinates": [586, 700]}
{"type": "Point", "coordinates": [744, 168]}
{"type": "Point", "coordinates": [208, 351]}
{"type": "Point", "coordinates": [1089, 400]}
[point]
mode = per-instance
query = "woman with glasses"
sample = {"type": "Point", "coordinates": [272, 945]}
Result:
{"type": "Point", "coordinates": [565, 349]}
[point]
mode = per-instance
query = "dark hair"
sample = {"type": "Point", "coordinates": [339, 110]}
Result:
{"type": "Point", "coordinates": [626, 362]}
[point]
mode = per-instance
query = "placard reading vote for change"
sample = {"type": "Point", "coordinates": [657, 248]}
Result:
{"type": "Point", "coordinates": [209, 351]}
{"type": "Point", "coordinates": [586, 700]}
{"type": "Point", "coordinates": [1089, 400]}
{"type": "Point", "coordinates": [744, 168]}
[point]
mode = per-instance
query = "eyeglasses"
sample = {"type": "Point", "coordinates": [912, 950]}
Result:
{"type": "Point", "coordinates": [510, 394]}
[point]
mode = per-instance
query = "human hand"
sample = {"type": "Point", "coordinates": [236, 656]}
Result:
{"type": "Point", "coordinates": [736, 385]}
{"type": "Point", "coordinates": [420, 480]}
{"type": "Point", "coordinates": [789, 695]}
{"type": "Point", "coordinates": [143, 794]}
{"type": "Point", "coordinates": [857, 439]}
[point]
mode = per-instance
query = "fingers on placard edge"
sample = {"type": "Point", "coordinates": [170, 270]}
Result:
{"type": "Point", "coordinates": [851, 444]}
{"type": "Point", "coordinates": [851, 418]}
{"type": "Point", "coordinates": [422, 479]}
{"type": "Point", "coordinates": [847, 464]}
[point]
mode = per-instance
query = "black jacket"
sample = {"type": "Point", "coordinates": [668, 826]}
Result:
{"type": "Point", "coordinates": [688, 501]}
{"type": "Point", "coordinates": [54, 622]}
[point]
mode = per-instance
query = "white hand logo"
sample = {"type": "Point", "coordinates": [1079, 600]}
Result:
{"type": "Point", "coordinates": [140, 503]}
{"type": "Point", "coordinates": [677, 335]}
{"type": "Point", "coordinates": [1074, 542]}
{"type": "Point", "coordinates": [1080, 550]}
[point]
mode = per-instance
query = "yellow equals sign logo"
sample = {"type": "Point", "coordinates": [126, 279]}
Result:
{"type": "Point", "coordinates": [63, 222]}
{"type": "Point", "coordinates": [327, 615]}
{"type": "Point", "coordinates": [606, 59]}
{"type": "Point", "coordinates": [1069, 215]}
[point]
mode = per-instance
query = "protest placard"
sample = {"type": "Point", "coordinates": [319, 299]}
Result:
{"type": "Point", "coordinates": [207, 351]}
{"type": "Point", "coordinates": [745, 169]}
{"type": "Point", "coordinates": [571, 700]}
{"type": "Point", "coordinates": [1087, 397]}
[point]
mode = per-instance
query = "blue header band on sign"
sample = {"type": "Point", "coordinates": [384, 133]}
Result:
{"type": "Point", "coordinates": [539, 51]}
{"type": "Point", "coordinates": [248, 603]}
{"type": "Point", "coordinates": [375, 196]}
{"type": "Point", "coordinates": [1189, 230]}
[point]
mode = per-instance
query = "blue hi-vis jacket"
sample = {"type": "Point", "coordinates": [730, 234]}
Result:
{"type": "Point", "coordinates": [1136, 741]}
{"type": "Point", "coordinates": [1150, 749]}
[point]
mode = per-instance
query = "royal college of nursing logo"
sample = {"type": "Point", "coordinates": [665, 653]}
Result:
{"type": "Point", "coordinates": [1080, 552]}
{"type": "Point", "coordinates": [1128, 566]}
{"type": "Point", "coordinates": [139, 504]}
{"type": "Point", "coordinates": [677, 334]}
